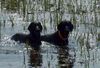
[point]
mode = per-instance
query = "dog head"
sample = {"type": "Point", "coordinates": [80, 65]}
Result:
{"type": "Point", "coordinates": [65, 27]}
{"type": "Point", "coordinates": [35, 27]}
{"type": "Point", "coordinates": [35, 30]}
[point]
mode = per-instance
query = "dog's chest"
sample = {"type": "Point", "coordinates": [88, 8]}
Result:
{"type": "Point", "coordinates": [58, 41]}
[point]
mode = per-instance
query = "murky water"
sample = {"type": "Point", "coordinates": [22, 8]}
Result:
{"type": "Point", "coordinates": [78, 54]}
{"type": "Point", "coordinates": [83, 50]}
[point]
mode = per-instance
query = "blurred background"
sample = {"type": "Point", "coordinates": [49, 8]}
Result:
{"type": "Point", "coordinates": [84, 41]}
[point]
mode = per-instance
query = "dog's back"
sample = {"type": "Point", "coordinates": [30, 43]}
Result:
{"type": "Point", "coordinates": [22, 38]}
{"type": "Point", "coordinates": [60, 37]}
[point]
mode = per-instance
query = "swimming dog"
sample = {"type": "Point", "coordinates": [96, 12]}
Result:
{"type": "Point", "coordinates": [60, 37]}
{"type": "Point", "coordinates": [33, 37]}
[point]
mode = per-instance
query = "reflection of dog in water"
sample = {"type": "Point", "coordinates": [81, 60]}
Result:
{"type": "Point", "coordinates": [61, 36]}
{"type": "Point", "coordinates": [35, 59]}
{"type": "Point", "coordinates": [33, 38]}
{"type": "Point", "coordinates": [65, 60]}
{"type": "Point", "coordinates": [58, 38]}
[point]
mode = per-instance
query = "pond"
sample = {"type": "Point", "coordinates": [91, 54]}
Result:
{"type": "Point", "coordinates": [83, 50]}
{"type": "Point", "coordinates": [78, 54]}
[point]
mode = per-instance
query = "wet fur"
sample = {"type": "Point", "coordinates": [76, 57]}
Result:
{"type": "Point", "coordinates": [55, 38]}
{"type": "Point", "coordinates": [32, 38]}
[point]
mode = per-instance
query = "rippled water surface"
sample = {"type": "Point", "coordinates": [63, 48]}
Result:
{"type": "Point", "coordinates": [83, 50]}
{"type": "Point", "coordinates": [78, 54]}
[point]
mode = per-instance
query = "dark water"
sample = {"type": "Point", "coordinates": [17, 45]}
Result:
{"type": "Point", "coordinates": [75, 55]}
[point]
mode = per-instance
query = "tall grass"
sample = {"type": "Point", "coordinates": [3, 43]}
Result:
{"type": "Point", "coordinates": [78, 10]}
{"type": "Point", "coordinates": [0, 30]}
{"type": "Point", "coordinates": [57, 8]}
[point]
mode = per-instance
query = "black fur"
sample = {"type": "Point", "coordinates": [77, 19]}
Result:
{"type": "Point", "coordinates": [63, 29]}
{"type": "Point", "coordinates": [33, 37]}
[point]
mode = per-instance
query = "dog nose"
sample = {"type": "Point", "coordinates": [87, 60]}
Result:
{"type": "Point", "coordinates": [37, 28]}
{"type": "Point", "coordinates": [67, 28]}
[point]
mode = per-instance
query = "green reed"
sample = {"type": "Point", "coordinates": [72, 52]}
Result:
{"type": "Point", "coordinates": [2, 4]}
{"type": "Point", "coordinates": [0, 30]}
{"type": "Point", "coordinates": [72, 7]}
{"type": "Point", "coordinates": [24, 7]}
{"type": "Point", "coordinates": [76, 9]}
{"type": "Point", "coordinates": [12, 20]}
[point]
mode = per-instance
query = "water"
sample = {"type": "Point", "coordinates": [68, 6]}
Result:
{"type": "Point", "coordinates": [83, 50]}
{"type": "Point", "coordinates": [14, 54]}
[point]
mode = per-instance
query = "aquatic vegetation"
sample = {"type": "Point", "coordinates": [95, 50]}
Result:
{"type": "Point", "coordinates": [84, 14]}
{"type": "Point", "coordinates": [98, 39]}
{"type": "Point", "coordinates": [12, 20]}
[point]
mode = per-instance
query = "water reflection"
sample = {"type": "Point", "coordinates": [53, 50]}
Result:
{"type": "Point", "coordinates": [35, 58]}
{"type": "Point", "coordinates": [64, 58]}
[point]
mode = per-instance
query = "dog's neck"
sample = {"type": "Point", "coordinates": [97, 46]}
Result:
{"type": "Point", "coordinates": [61, 37]}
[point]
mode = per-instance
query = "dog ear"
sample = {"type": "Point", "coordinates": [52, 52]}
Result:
{"type": "Point", "coordinates": [31, 27]}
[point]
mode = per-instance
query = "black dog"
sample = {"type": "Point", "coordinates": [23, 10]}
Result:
{"type": "Point", "coordinates": [33, 38]}
{"type": "Point", "coordinates": [61, 36]}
